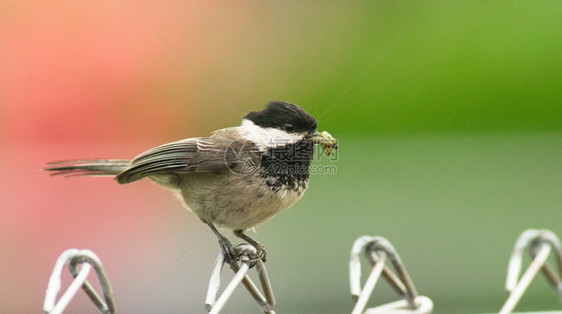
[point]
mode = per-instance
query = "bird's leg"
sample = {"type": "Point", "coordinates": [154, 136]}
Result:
{"type": "Point", "coordinates": [227, 249]}
{"type": "Point", "coordinates": [260, 248]}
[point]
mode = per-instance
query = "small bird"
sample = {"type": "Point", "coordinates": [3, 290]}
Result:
{"type": "Point", "coordinates": [235, 179]}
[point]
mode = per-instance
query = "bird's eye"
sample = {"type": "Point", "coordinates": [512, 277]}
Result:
{"type": "Point", "coordinates": [289, 127]}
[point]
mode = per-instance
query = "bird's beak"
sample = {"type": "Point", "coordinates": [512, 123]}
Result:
{"type": "Point", "coordinates": [313, 134]}
{"type": "Point", "coordinates": [325, 140]}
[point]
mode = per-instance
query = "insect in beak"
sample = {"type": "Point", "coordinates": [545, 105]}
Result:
{"type": "Point", "coordinates": [325, 140]}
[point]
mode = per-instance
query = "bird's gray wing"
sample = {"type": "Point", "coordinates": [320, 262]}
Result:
{"type": "Point", "coordinates": [203, 154]}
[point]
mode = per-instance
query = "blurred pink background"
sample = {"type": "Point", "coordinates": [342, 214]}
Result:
{"type": "Point", "coordinates": [92, 79]}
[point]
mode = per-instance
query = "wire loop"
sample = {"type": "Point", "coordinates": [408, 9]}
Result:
{"type": "Point", "coordinates": [377, 250]}
{"type": "Point", "coordinates": [80, 262]}
{"type": "Point", "coordinates": [246, 255]}
{"type": "Point", "coordinates": [540, 244]}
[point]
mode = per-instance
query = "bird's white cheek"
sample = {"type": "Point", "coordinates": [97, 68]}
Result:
{"type": "Point", "coordinates": [267, 137]}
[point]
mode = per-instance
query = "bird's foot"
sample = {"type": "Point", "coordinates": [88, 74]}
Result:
{"type": "Point", "coordinates": [260, 253]}
{"type": "Point", "coordinates": [228, 250]}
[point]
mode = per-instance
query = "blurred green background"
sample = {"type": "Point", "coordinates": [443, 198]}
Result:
{"type": "Point", "coordinates": [448, 115]}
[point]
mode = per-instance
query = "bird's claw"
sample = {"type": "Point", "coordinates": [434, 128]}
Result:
{"type": "Point", "coordinates": [234, 254]}
{"type": "Point", "coordinates": [260, 254]}
{"type": "Point", "coordinates": [228, 250]}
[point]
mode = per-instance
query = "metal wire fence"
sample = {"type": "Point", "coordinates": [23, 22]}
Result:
{"type": "Point", "coordinates": [378, 251]}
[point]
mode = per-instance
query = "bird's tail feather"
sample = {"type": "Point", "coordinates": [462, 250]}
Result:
{"type": "Point", "coordinates": [88, 167]}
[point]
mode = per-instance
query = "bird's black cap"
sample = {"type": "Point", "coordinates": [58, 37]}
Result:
{"type": "Point", "coordinates": [277, 114]}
